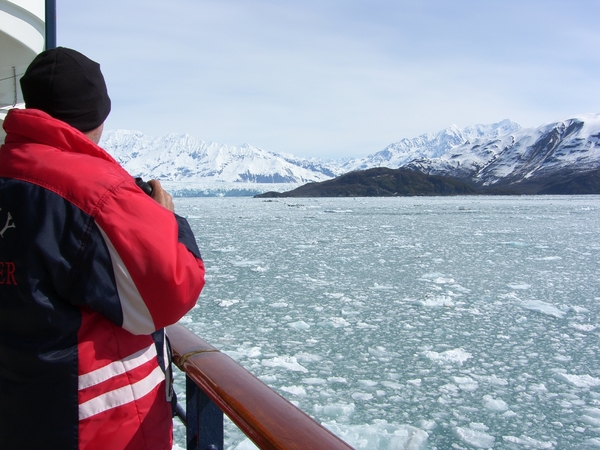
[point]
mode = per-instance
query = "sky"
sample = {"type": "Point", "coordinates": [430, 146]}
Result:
{"type": "Point", "coordinates": [331, 78]}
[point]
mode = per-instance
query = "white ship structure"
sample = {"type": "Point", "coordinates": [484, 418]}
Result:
{"type": "Point", "coordinates": [27, 27]}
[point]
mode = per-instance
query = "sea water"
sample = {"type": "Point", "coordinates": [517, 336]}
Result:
{"type": "Point", "coordinates": [411, 323]}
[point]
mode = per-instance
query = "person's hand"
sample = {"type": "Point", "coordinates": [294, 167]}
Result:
{"type": "Point", "coordinates": [161, 196]}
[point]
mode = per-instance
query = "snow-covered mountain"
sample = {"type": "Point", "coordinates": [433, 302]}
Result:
{"type": "Point", "coordinates": [500, 154]}
{"type": "Point", "coordinates": [552, 150]}
{"type": "Point", "coordinates": [429, 146]}
{"type": "Point", "coordinates": [178, 157]}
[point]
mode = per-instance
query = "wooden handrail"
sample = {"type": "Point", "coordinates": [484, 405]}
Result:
{"type": "Point", "coordinates": [267, 418]}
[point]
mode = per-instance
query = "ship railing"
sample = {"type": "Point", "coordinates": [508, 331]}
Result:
{"type": "Point", "coordinates": [217, 385]}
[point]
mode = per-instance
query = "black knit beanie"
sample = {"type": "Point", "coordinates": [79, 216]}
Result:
{"type": "Point", "coordinates": [69, 86]}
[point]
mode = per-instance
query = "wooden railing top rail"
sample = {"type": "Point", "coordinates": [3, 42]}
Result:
{"type": "Point", "coordinates": [268, 419]}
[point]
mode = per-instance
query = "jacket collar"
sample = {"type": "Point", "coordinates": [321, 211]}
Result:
{"type": "Point", "coordinates": [33, 125]}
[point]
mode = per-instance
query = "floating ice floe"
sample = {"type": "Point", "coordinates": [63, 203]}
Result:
{"type": "Point", "coordinates": [475, 435]}
{"type": "Point", "coordinates": [442, 280]}
{"type": "Point", "coordinates": [295, 390]}
{"type": "Point", "coordinates": [314, 381]}
{"type": "Point", "coordinates": [378, 351]}
{"type": "Point", "coordinates": [308, 357]}
{"type": "Point", "coordinates": [466, 383]}
{"type": "Point", "coordinates": [455, 356]}
{"type": "Point", "coordinates": [335, 322]}
{"type": "Point", "coordinates": [225, 249]}
{"type": "Point", "coordinates": [592, 412]}
{"type": "Point", "coordinates": [592, 421]}
{"type": "Point", "coordinates": [226, 303]}
{"type": "Point", "coordinates": [279, 305]}
{"type": "Point", "coordinates": [300, 325]}
{"type": "Point", "coordinates": [581, 309]}
{"type": "Point", "coordinates": [285, 362]}
{"type": "Point", "coordinates": [364, 326]}
{"type": "Point", "coordinates": [246, 263]}
{"type": "Point", "coordinates": [593, 442]}
{"type": "Point", "coordinates": [491, 379]}
{"type": "Point", "coordinates": [591, 416]}
{"type": "Point", "coordinates": [268, 378]}
{"type": "Point", "coordinates": [437, 278]}
{"type": "Point", "coordinates": [519, 286]}
{"type": "Point", "coordinates": [338, 411]}
{"type": "Point", "coordinates": [382, 287]}
{"type": "Point", "coordinates": [515, 244]}
{"type": "Point", "coordinates": [362, 396]}
{"type": "Point", "coordinates": [580, 381]}
{"type": "Point", "coordinates": [528, 442]}
{"type": "Point", "coordinates": [252, 352]}
{"type": "Point", "coordinates": [392, 385]}
{"type": "Point", "coordinates": [368, 383]}
{"type": "Point", "coordinates": [337, 380]}
{"type": "Point", "coordinates": [380, 435]}
{"type": "Point", "coordinates": [549, 258]}
{"type": "Point", "coordinates": [538, 387]}
{"type": "Point", "coordinates": [583, 326]}
{"type": "Point", "coordinates": [436, 301]}
{"type": "Point", "coordinates": [543, 307]}
{"type": "Point", "coordinates": [432, 275]}
{"type": "Point", "coordinates": [494, 404]}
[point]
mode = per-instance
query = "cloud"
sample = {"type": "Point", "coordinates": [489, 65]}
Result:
{"type": "Point", "coordinates": [336, 78]}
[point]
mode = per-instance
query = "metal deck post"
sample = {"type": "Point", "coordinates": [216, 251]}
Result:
{"type": "Point", "coordinates": [50, 20]}
{"type": "Point", "coordinates": [204, 420]}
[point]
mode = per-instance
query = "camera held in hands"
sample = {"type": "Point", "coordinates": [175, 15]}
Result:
{"type": "Point", "coordinates": [143, 186]}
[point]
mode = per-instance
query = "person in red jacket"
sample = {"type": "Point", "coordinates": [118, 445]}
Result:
{"type": "Point", "coordinates": [92, 270]}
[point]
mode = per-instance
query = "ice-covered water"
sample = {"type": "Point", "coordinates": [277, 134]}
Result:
{"type": "Point", "coordinates": [439, 323]}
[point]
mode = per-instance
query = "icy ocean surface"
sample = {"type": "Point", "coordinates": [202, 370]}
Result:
{"type": "Point", "coordinates": [411, 323]}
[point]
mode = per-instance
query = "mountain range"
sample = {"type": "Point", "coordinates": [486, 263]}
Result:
{"type": "Point", "coordinates": [557, 157]}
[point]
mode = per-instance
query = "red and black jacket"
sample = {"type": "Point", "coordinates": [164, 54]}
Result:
{"type": "Point", "coordinates": [90, 267]}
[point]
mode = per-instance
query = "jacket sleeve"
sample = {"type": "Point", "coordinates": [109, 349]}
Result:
{"type": "Point", "coordinates": [157, 268]}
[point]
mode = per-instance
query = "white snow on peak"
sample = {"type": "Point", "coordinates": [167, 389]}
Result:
{"type": "Point", "coordinates": [520, 154]}
{"type": "Point", "coordinates": [484, 154]}
{"type": "Point", "coordinates": [177, 157]}
{"type": "Point", "coordinates": [431, 145]}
